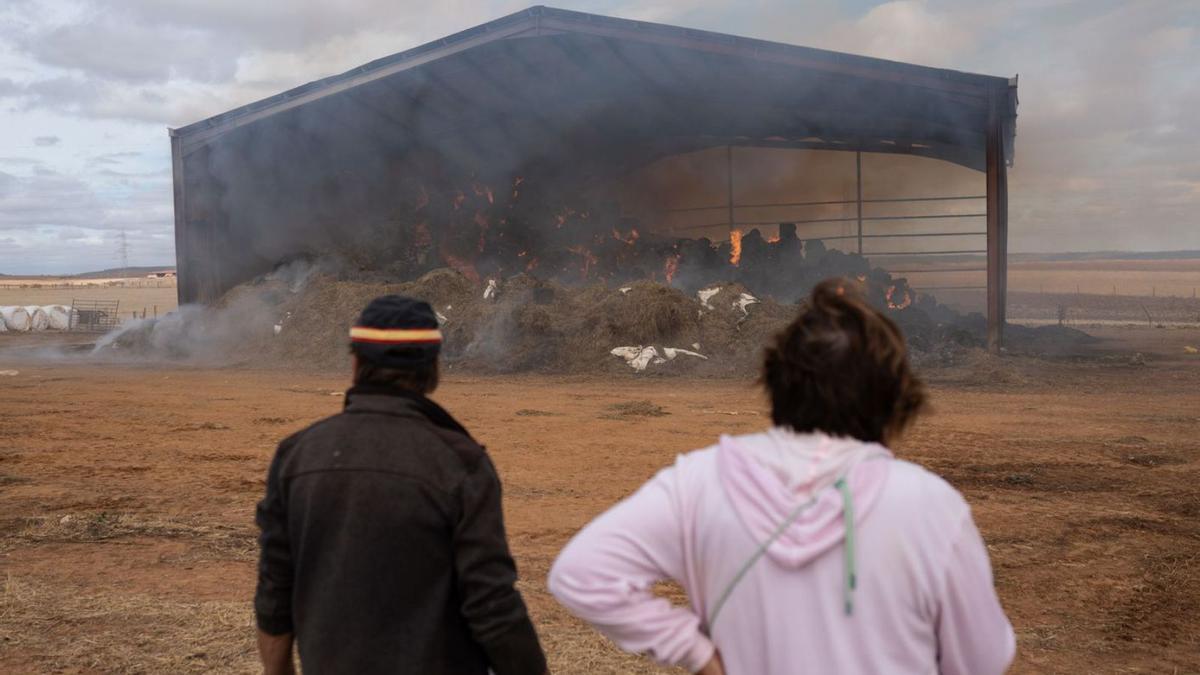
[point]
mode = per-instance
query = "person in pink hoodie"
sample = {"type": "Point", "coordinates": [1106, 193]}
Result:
{"type": "Point", "coordinates": [808, 547]}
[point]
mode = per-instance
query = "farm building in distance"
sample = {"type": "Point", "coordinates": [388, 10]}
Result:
{"type": "Point", "coordinates": [547, 117]}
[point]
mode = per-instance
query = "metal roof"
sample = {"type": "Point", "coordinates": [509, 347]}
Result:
{"type": "Point", "coordinates": [605, 82]}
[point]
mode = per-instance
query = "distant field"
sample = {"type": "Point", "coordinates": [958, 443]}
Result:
{"type": "Point", "coordinates": [1162, 278]}
{"type": "Point", "coordinates": [1090, 291]}
{"type": "Point", "coordinates": [133, 294]}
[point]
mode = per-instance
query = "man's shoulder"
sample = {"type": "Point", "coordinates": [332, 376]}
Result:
{"type": "Point", "coordinates": [393, 429]}
{"type": "Point", "coordinates": [309, 431]}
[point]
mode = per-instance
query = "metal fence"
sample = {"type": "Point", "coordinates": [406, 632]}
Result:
{"type": "Point", "coordinates": [96, 316]}
{"type": "Point", "coordinates": [941, 241]}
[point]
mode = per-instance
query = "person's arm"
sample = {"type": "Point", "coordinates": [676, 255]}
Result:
{"type": "Point", "coordinates": [487, 576]}
{"type": "Point", "coordinates": [273, 595]}
{"type": "Point", "coordinates": [974, 635]}
{"type": "Point", "coordinates": [606, 573]}
{"type": "Point", "coordinates": [275, 651]}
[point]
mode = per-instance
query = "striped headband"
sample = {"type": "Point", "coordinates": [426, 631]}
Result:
{"type": "Point", "coordinates": [395, 336]}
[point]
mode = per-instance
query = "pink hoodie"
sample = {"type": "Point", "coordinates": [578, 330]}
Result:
{"type": "Point", "coordinates": [909, 591]}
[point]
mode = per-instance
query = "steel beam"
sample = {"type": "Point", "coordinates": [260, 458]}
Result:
{"type": "Point", "coordinates": [729, 175]}
{"type": "Point", "coordinates": [185, 274]}
{"type": "Point", "coordinates": [997, 231]}
{"type": "Point", "coordinates": [858, 173]}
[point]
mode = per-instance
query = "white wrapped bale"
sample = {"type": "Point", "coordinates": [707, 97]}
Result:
{"type": "Point", "coordinates": [59, 316]}
{"type": "Point", "coordinates": [15, 318]}
{"type": "Point", "coordinates": [38, 321]}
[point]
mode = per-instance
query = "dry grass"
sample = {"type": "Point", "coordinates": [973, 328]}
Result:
{"type": "Point", "coordinates": [63, 629]}
{"type": "Point", "coordinates": [216, 540]}
{"type": "Point", "coordinates": [131, 298]}
{"type": "Point", "coordinates": [1163, 278]}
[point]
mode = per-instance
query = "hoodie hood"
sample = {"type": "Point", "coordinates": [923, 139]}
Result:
{"type": "Point", "coordinates": [768, 475]}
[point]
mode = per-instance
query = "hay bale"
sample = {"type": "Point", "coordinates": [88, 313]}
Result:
{"type": "Point", "coordinates": [15, 318]}
{"type": "Point", "coordinates": [648, 313]}
{"type": "Point", "coordinates": [38, 319]}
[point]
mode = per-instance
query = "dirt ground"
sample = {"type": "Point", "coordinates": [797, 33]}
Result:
{"type": "Point", "coordinates": [127, 496]}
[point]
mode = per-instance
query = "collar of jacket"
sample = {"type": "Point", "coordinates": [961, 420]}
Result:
{"type": "Point", "coordinates": [393, 400]}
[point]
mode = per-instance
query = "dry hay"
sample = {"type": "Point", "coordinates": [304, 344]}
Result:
{"type": "Point", "coordinates": [215, 541]}
{"type": "Point", "coordinates": [633, 409]}
{"type": "Point", "coordinates": [315, 320]}
{"type": "Point", "coordinates": [532, 325]}
{"type": "Point", "coordinates": [61, 628]}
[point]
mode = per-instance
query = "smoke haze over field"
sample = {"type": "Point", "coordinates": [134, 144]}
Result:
{"type": "Point", "coordinates": [1107, 134]}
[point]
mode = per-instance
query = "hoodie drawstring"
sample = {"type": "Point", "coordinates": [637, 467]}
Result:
{"type": "Point", "coordinates": [851, 575]}
{"type": "Point", "coordinates": [762, 549]}
{"type": "Point", "coordinates": [851, 570]}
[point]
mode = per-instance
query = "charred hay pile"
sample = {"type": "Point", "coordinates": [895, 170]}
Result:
{"type": "Point", "coordinates": [298, 317]}
{"type": "Point", "coordinates": [526, 324]}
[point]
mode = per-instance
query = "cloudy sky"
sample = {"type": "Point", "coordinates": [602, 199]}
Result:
{"type": "Point", "coordinates": [1108, 149]}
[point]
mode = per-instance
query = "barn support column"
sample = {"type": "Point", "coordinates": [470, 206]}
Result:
{"type": "Point", "coordinates": [185, 275]}
{"type": "Point", "coordinates": [858, 172]}
{"type": "Point", "coordinates": [729, 176]}
{"type": "Point", "coordinates": [997, 233]}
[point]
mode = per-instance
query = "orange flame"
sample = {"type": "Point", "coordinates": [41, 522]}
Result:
{"type": "Point", "coordinates": [482, 191]}
{"type": "Point", "coordinates": [631, 239]}
{"type": "Point", "coordinates": [466, 267]}
{"type": "Point", "coordinates": [421, 234]}
{"type": "Point", "coordinates": [891, 292]}
{"type": "Point", "coordinates": [588, 258]}
{"type": "Point", "coordinates": [735, 240]}
{"type": "Point", "coordinates": [671, 267]}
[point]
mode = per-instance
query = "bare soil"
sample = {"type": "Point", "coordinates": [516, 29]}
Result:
{"type": "Point", "coordinates": [127, 497]}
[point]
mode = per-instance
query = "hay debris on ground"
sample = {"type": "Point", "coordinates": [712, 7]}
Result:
{"type": "Point", "coordinates": [217, 541]}
{"type": "Point", "coordinates": [90, 632]}
{"type": "Point", "coordinates": [629, 409]}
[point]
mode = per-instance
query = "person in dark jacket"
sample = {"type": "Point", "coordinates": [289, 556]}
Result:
{"type": "Point", "coordinates": [382, 538]}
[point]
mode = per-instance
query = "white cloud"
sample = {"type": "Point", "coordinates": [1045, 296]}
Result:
{"type": "Point", "coordinates": [906, 30]}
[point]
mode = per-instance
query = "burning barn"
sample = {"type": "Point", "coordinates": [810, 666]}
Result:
{"type": "Point", "coordinates": [584, 148]}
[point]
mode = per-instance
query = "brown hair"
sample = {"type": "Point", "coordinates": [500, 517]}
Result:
{"type": "Point", "coordinates": [842, 368]}
{"type": "Point", "coordinates": [420, 378]}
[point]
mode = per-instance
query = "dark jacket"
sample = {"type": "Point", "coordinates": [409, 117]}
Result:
{"type": "Point", "coordinates": [383, 546]}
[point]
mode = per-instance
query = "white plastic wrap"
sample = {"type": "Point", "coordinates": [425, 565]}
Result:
{"type": "Point", "coordinates": [15, 318]}
{"type": "Point", "coordinates": [38, 320]}
{"type": "Point", "coordinates": [59, 316]}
